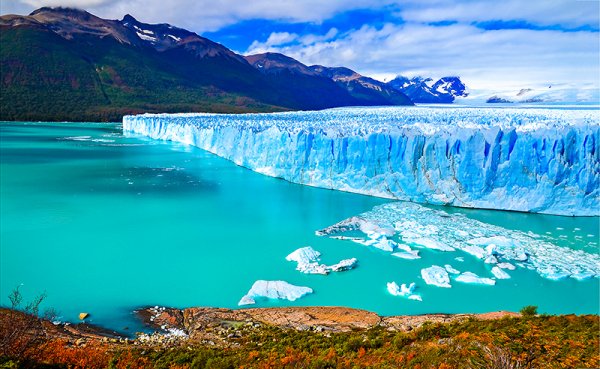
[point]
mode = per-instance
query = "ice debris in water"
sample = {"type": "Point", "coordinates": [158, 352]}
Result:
{"type": "Point", "coordinates": [469, 277]}
{"type": "Point", "coordinates": [307, 260]}
{"type": "Point", "coordinates": [493, 244]}
{"type": "Point", "coordinates": [535, 160]}
{"type": "Point", "coordinates": [404, 290]}
{"type": "Point", "coordinates": [274, 290]}
{"type": "Point", "coordinates": [436, 276]}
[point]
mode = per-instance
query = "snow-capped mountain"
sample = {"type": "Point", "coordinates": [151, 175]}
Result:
{"type": "Point", "coordinates": [426, 90]}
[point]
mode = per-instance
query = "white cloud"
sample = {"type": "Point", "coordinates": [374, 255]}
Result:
{"type": "Point", "coordinates": [569, 13]}
{"type": "Point", "coordinates": [204, 15]}
{"type": "Point", "coordinates": [484, 59]}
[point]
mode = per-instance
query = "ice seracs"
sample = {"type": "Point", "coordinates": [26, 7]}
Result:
{"type": "Point", "coordinates": [535, 160]}
{"type": "Point", "coordinates": [307, 260]}
{"type": "Point", "coordinates": [404, 290]}
{"type": "Point", "coordinates": [273, 290]}
{"type": "Point", "coordinates": [436, 276]}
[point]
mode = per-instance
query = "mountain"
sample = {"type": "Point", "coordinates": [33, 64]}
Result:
{"type": "Point", "coordinates": [342, 85]}
{"type": "Point", "coordinates": [425, 90]}
{"type": "Point", "coordinates": [68, 64]}
{"type": "Point", "coordinates": [361, 87]}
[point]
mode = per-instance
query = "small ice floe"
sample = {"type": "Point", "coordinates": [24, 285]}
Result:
{"type": "Point", "coordinates": [450, 269]}
{"type": "Point", "coordinates": [459, 258]}
{"type": "Point", "coordinates": [377, 240]}
{"type": "Point", "coordinates": [491, 260]}
{"type": "Point", "coordinates": [553, 274]}
{"type": "Point", "coordinates": [431, 244]}
{"type": "Point", "coordinates": [582, 275]}
{"type": "Point", "coordinates": [410, 255]}
{"type": "Point", "coordinates": [274, 290]}
{"type": "Point", "coordinates": [404, 290]}
{"type": "Point", "coordinates": [468, 277]}
{"type": "Point", "coordinates": [307, 260]}
{"type": "Point", "coordinates": [508, 266]}
{"type": "Point", "coordinates": [343, 265]}
{"type": "Point", "coordinates": [436, 276]}
{"type": "Point", "coordinates": [475, 250]}
{"type": "Point", "coordinates": [499, 273]}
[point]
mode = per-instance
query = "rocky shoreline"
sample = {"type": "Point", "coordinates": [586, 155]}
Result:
{"type": "Point", "coordinates": [220, 327]}
{"type": "Point", "coordinates": [223, 327]}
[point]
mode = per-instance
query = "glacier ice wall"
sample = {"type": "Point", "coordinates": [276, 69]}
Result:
{"type": "Point", "coordinates": [535, 160]}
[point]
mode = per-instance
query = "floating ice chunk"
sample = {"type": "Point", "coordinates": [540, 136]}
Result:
{"type": "Point", "coordinates": [459, 258]}
{"type": "Point", "coordinates": [304, 255]}
{"type": "Point", "coordinates": [410, 255]}
{"type": "Point", "coordinates": [491, 260]}
{"type": "Point", "coordinates": [450, 269]}
{"type": "Point", "coordinates": [508, 266]}
{"type": "Point", "coordinates": [274, 290]}
{"type": "Point", "coordinates": [370, 227]}
{"type": "Point", "coordinates": [404, 290]}
{"type": "Point", "coordinates": [499, 273]}
{"type": "Point", "coordinates": [554, 274]}
{"type": "Point", "coordinates": [308, 262]}
{"type": "Point", "coordinates": [343, 265]}
{"type": "Point", "coordinates": [474, 250]}
{"type": "Point", "coordinates": [432, 244]}
{"type": "Point", "coordinates": [468, 277]}
{"type": "Point", "coordinates": [377, 240]}
{"type": "Point", "coordinates": [436, 276]}
{"type": "Point", "coordinates": [580, 276]}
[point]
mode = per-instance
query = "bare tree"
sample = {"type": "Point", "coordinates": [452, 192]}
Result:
{"type": "Point", "coordinates": [23, 327]}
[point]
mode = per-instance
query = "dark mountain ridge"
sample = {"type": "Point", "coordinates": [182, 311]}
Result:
{"type": "Point", "coordinates": [68, 64]}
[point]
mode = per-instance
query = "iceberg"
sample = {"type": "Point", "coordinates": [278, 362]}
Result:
{"type": "Point", "coordinates": [436, 276]}
{"type": "Point", "coordinates": [450, 269]}
{"type": "Point", "coordinates": [273, 290]}
{"type": "Point", "coordinates": [307, 260]}
{"type": "Point", "coordinates": [533, 160]}
{"type": "Point", "coordinates": [404, 291]}
{"type": "Point", "coordinates": [343, 265]}
{"type": "Point", "coordinates": [468, 277]}
{"type": "Point", "coordinates": [377, 240]}
{"type": "Point", "coordinates": [501, 246]}
{"type": "Point", "coordinates": [410, 255]}
{"type": "Point", "coordinates": [499, 273]}
{"type": "Point", "coordinates": [508, 266]}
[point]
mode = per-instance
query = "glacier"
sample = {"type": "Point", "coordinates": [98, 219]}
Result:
{"type": "Point", "coordinates": [491, 244]}
{"type": "Point", "coordinates": [533, 160]}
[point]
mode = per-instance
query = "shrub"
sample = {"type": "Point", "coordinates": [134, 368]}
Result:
{"type": "Point", "coordinates": [529, 311]}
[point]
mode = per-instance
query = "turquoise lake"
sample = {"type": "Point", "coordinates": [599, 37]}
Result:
{"type": "Point", "coordinates": [105, 224]}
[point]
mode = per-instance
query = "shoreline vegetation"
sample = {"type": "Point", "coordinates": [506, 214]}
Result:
{"type": "Point", "coordinates": [305, 337]}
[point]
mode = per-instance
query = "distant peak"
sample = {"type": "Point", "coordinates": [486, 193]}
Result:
{"type": "Point", "coordinates": [129, 18]}
{"type": "Point", "coordinates": [59, 9]}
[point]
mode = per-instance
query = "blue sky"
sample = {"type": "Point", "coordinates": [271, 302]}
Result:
{"type": "Point", "coordinates": [491, 44]}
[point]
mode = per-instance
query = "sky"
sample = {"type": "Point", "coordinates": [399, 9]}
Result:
{"type": "Point", "coordinates": [490, 44]}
